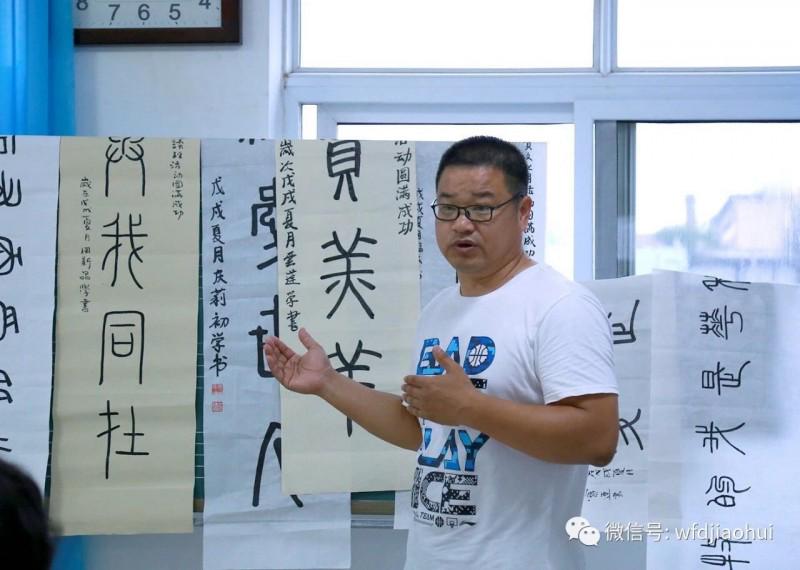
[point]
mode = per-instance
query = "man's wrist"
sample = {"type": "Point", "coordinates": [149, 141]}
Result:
{"type": "Point", "coordinates": [471, 410]}
{"type": "Point", "coordinates": [330, 385]}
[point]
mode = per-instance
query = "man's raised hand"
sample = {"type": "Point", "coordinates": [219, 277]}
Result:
{"type": "Point", "coordinates": [306, 374]}
{"type": "Point", "coordinates": [445, 398]}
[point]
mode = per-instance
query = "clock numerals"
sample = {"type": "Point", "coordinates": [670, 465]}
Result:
{"type": "Point", "coordinates": [90, 14]}
{"type": "Point", "coordinates": [156, 21]}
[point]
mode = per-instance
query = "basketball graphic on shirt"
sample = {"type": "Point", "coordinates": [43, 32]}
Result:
{"type": "Point", "coordinates": [477, 355]}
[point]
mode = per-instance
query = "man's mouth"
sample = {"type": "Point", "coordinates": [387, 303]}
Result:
{"type": "Point", "coordinates": [464, 245]}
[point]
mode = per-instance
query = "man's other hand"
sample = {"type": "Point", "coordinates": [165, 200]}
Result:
{"type": "Point", "coordinates": [444, 398]}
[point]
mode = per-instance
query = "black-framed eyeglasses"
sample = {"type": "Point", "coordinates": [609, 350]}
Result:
{"type": "Point", "coordinates": [475, 213]}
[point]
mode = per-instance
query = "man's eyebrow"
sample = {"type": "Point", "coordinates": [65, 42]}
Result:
{"type": "Point", "coordinates": [483, 194]}
{"type": "Point", "coordinates": [479, 194]}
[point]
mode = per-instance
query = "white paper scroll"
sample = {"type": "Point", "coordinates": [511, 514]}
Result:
{"type": "Point", "coordinates": [125, 379]}
{"type": "Point", "coordinates": [436, 272]}
{"type": "Point", "coordinates": [349, 274]}
{"type": "Point", "coordinates": [403, 514]}
{"type": "Point", "coordinates": [28, 199]}
{"type": "Point", "coordinates": [617, 492]}
{"type": "Point", "coordinates": [248, 522]}
{"type": "Point", "coordinates": [724, 425]}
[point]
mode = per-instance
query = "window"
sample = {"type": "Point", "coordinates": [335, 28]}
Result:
{"type": "Point", "coordinates": [709, 33]}
{"type": "Point", "coordinates": [503, 34]}
{"type": "Point", "coordinates": [720, 199]}
{"type": "Point", "coordinates": [623, 61]}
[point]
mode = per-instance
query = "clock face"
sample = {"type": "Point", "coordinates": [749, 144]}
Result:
{"type": "Point", "coordinates": [146, 14]}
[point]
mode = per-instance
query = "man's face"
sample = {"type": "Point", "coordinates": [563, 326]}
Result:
{"type": "Point", "coordinates": [480, 249]}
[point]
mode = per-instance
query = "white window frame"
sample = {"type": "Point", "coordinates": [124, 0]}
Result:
{"type": "Point", "coordinates": [533, 97]}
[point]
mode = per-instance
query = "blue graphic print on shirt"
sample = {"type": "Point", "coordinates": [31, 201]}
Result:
{"type": "Point", "coordinates": [444, 479]}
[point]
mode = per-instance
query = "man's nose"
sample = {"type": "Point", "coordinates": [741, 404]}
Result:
{"type": "Point", "coordinates": [462, 222]}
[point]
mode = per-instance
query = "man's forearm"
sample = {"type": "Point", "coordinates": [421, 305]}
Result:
{"type": "Point", "coordinates": [380, 413]}
{"type": "Point", "coordinates": [555, 433]}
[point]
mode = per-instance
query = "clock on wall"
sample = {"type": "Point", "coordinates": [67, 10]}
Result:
{"type": "Point", "coordinates": [156, 21]}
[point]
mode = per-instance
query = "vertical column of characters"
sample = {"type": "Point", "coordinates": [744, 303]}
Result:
{"type": "Point", "coordinates": [616, 494]}
{"type": "Point", "coordinates": [286, 171]}
{"type": "Point", "coordinates": [724, 375]}
{"type": "Point", "coordinates": [262, 221]}
{"type": "Point", "coordinates": [344, 160]}
{"type": "Point", "coordinates": [217, 297]}
{"type": "Point", "coordinates": [623, 332]}
{"type": "Point", "coordinates": [405, 217]}
{"type": "Point", "coordinates": [263, 224]}
{"type": "Point", "coordinates": [420, 248]}
{"type": "Point", "coordinates": [85, 276]}
{"type": "Point", "coordinates": [123, 329]}
{"type": "Point", "coordinates": [528, 238]}
{"type": "Point", "coordinates": [11, 190]}
{"type": "Point", "coordinates": [176, 170]}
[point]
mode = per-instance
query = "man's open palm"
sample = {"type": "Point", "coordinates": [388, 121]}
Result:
{"type": "Point", "coordinates": [304, 374]}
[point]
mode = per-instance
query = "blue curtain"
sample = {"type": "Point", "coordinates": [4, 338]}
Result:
{"type": "Point", "coordinates": [37, 82]}
{"type": "Point", "coordinates": [37, 88]}
{"type": "Point", "coordinates": [69, 554]}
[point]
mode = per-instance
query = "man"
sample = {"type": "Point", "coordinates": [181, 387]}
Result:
{"type": "Point", "coordinates": [514, 391]}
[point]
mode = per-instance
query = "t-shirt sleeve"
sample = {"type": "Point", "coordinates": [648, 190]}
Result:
{"type": "Point", "coordinates": [574, 352]}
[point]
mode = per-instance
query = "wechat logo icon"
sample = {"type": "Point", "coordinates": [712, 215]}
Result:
{"type": "Point", "coordinates": [579, 527]}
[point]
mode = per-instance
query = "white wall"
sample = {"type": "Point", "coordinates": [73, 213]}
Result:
{"type": "Point", "coordinates": [190, 91]}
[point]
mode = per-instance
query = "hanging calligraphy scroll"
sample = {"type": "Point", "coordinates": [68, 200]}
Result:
{"type": "Point", "coordinates": [28, 199]}
{"type": "Point", "coordinates": [348, 272]}
{"type": "Point", "coordinates": [124, 397]}
{"type": "Point", "coordinates": [435, 272]}
{"type": "Point", "coordinates": [248, 522]}
{"type": "Point", "coordinates": [724, 426]}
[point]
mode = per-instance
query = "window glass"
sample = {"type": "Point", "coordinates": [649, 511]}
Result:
{"type": "Point", "coordinates": [308, 122]}
{"type": "Point", "coordinates": [446, 34]}
{"type": "Point", "coordinates": [719, 198]}
{"type": "Point", "coordinates": [708, 33]}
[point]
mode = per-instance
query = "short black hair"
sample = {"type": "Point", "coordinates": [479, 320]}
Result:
{"type": "Point", "coordinates": [489, 151]}
{"type": "Point", "coordinates": [24, 529]}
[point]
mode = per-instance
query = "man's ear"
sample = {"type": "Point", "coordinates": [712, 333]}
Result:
{"type": "Point", "coordinates": [525, 207]}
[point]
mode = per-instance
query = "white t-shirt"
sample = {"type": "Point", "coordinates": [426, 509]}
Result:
{"type": "Point", "coordinates": [478, 503]}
